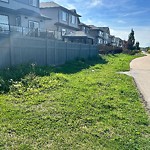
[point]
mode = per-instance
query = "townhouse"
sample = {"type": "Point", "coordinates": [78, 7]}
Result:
{"type": "Point", "coordinates": [49, 19]}
{"type": "Point", "coordinates": [20, 15]}
{"type": "Point", "coordinates": [64, 21]}
{"type": "Point", "coordinates": [106, 34]}
{"type": "Point", "coordinates": [100, 34]}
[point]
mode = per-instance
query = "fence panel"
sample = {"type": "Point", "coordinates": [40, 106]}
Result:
{"type": "Point", "coordinates": [93, 50]}
{"type": "Point", "coordinates": [85, 51]}
{"type": "Point", "coordinates": [28, 50]}
{"type": "Point", "coordinates": [73, 51]}
{"type": "Point", "coordinates": [4, 51]}
{"type": "Point", "coordinates": [18, 50]}
{"type": "Point", "coordinates": [50, 56]}
{"type": "Point", "coordinates": [60, 52]}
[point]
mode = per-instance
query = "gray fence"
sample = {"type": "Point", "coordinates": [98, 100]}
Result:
{"type": "Point", "coordinates": [22, 50]}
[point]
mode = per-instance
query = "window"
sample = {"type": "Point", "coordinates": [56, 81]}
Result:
{"type": "Point", "coordinates": [83, 29]}
{"type": "Point", "coordinates": [63, 31]}
{"type": "Point", "coordinates": [64, 16]}
{"type": "Point", "coordinates": [100, 41]}
{"type": "Point", "coordinates": [33, 25]}
{"type": "Point", "coordinates": [4, 22]}
{"type": "Point", "coordinates": [100, 33]}
{"type": "Point", "coordinates": [18, 21]}
{"type": "Point", "coordinates": [6, 1]}
{"type": "Point", "coordinates": [33, 3]}
{"type": "Point", "coordinates": [73, 19]}
{"type": "Point", "coordinates": [34, 28]}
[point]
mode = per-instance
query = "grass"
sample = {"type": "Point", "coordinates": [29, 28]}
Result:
{"type": "Point", "coordinates": [83, 105]}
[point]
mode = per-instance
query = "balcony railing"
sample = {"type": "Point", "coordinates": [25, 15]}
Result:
{"type": "Point", "coordinates": [31, 32]}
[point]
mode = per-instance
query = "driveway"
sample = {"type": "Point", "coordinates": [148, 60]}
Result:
{"type": "Point", "coordinates": [140, 70]}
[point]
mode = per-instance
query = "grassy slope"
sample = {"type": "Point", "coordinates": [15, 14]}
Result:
{"type": "Point", "coordinates": [82, 105]}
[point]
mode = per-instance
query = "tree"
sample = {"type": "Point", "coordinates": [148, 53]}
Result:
{"type": "Point", "coordinates": [137, 46]}
{"type": "Point", "coordinates": [131, 40]}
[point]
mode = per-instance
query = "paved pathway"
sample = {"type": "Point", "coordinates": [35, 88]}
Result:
{"type": "Point", "coordinates": [140, 70]}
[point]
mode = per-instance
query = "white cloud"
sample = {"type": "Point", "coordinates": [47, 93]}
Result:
{"type": "Point", "coordinates": [70, 6]}
{"type": "Point", "coordinates": [121, 21]}
{"type": "Point", "coordinates": [136, 13]}
{"type": "Point", "coordinates": [95, 3]}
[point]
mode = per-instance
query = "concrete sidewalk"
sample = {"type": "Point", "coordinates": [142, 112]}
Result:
{"type": "Point", "coordinates": [140, 70]}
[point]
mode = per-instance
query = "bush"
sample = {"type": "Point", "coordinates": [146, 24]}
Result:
{"type": "Point", "coordinates": [105, 49]}
{"type": "Point", "coordinates": [148, 51]}
{"type": "Point", "coordinates": [131, 52]}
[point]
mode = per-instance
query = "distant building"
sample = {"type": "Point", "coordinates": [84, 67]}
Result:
{"type": "Point", "coordinates": [100, 34]}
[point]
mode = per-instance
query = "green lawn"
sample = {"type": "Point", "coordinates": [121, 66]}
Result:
{"type": "Point", "coordinates": [83, 105]}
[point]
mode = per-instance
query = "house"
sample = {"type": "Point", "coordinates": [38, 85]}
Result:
{"type": "Point", "coordinates": [116, 41]}
{"type": "Point", "coordinates": [81, 36]}
{"type": "Point", "coordinates": [64, 21]}
{"type": "Point", "coordinates": [20, 16]}
{"type": "Point", "coordinates": [119, 42]}
{"type": "Point", "coordinates": [97, 33]}
{"type": "Point", "coordinates": [106, 34]}
{"type": "Point", "coordinates": [78, 37]}
{"type": "Point", "coordinates": [100, 34]}
{"type": "Point", "coordinates": [112, 40]}
{"type": "Point", "coordinates": [85, 28]}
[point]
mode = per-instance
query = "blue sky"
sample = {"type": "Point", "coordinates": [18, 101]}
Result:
{"type": "Point", "coordinates": [119, 15]}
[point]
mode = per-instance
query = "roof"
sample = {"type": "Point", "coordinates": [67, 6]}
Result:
{"type": "Point", "coordinates": [32, 13]}
{"type": "Point", "coordinates": [24, 12]}
{"type": "Point", "coordinates": [104, 29]}
{"type": "Point", "coordinates": [80, 34]}
{"type": "Point", "coordinates": [83, 24]}
{"type": "Point", "coordinates": [66, 26]}
{"type": "Point", "coordinates": [49, 4]}
{"type": "Point", "coordinates": [95, 28]}
{"type": "Point", "coordinates": [52, 4]}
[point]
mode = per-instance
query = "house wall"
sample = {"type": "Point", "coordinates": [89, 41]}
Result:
{"type": "Point", "coordinates": [95, 34]}
{"type": "Point", "coordinates": [56, 15]}
{"type": "Point", "coordinates": [68, 22]}
{"type": "Point", "coordinates": [13, 4]}
{"type": "Point", "coordinates": [53, 14]}
{"type": "Point", "coordinates": [84, 28]}
{"type": "Point", "coordinates": [17, 5]}
{"type": "Point", "coordinates": [24, 20]}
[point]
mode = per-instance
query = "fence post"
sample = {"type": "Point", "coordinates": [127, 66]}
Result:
{"type": "Point", "coordinates": [10, 50]}
{"type": "Point", "coordinates": [66, 52]}
{"type": "Point", "coordinates": [22, 30]}
{"type": "Point", "coordinates": [80, 50]}
{"type": "Point", "coordinates": [46, 49]}
{"type": "Point", "coordinates": [55, 52]}
{"type": "Point", "coordinates": [89, 51]}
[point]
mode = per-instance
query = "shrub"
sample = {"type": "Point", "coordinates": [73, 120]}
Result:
{"type": "Point", "coordinates": [105, 49]}
{"type": "Point", "coordinates": [148, 51]}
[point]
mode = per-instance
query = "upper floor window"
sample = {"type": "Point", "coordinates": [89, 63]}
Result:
{"type": "Point", "coordinates": [33, 3]}
{"type": "Point", "coordinates": [100, 33]}
{"type": "Point", "coordinates": [6, 1]}
{"type": "Point", "coordinates": [73, 19]}
{"type": "Point", "coordinates": [64, 16]}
